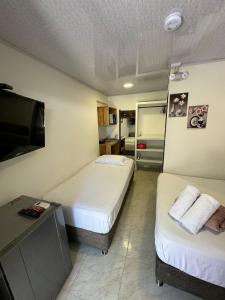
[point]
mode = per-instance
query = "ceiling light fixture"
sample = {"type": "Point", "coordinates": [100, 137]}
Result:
{"type": "Point", "coordinates": [128, 85]}
{"type": "Point", "coordinates": [176, 74]}
{"type": "Point", "coordinates": [173, 21]}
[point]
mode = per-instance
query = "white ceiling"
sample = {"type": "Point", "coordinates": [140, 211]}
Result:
{"type": "Point", "coordinates": [105, 43]}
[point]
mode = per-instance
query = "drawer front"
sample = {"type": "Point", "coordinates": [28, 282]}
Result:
{"type": "Point", "coordinates": [44, 261]}
{"type": "Point", "coordinates": [15, 272]}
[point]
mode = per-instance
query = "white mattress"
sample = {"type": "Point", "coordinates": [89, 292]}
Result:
{"type": "Point", "coordinates": [92, 198]}
{"type": "Point", "coordinates": [201, 255]}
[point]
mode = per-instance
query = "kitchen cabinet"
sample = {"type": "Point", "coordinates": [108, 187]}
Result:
{"type": "Point", "coordinates": [107, 116]}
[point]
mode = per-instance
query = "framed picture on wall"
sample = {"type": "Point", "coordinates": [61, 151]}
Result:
{"type": "Point", "coordinates": [197, 116]}
{"type": "Point", "coordinates": [178, 105]}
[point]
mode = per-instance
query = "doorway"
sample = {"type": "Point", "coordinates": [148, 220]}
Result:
{"type": "Point", "coordinates": [127, 132]}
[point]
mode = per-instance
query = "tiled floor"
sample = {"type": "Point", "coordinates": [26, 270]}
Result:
{"type": "Point", "coordinates": [127, 272]}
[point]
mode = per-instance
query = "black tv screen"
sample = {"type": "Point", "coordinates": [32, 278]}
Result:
{"type": "Point", "coordinates": [21, 125]}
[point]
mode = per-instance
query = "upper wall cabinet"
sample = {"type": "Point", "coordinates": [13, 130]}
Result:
{"type": "Point", "coordinates": [107, 116]}
{"type": "Point", "coordinates": [103, 116]}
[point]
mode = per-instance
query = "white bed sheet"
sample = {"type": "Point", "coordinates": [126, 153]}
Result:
{"type": "Point", "coordinates": [201, 255]}
{"type": "Point", "coordinates": [92, 198]}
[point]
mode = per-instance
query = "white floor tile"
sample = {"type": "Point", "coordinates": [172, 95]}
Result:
{"type": "Point", "coordinates": [128, 270]}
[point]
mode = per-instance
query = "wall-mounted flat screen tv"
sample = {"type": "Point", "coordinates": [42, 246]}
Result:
{"type": "Point", "coordinates": [22, 127]}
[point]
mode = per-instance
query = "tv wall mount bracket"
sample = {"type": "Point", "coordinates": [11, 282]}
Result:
{"type": "Point", "coordinates": [5, 86]}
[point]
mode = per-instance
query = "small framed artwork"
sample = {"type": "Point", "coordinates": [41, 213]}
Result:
{"type": "Point", "coordinates": [178, 105]}
{"type": "Point", "coordinates": [197, 116]}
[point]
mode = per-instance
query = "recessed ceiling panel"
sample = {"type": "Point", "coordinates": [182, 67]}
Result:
{"type": "Point", "coordinates": [105, 43]}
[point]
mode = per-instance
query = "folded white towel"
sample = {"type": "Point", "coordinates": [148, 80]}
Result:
{"type": "Point", "coordinates": [187, 197]}
{"type": "Point", "coordinates": [196, 217]}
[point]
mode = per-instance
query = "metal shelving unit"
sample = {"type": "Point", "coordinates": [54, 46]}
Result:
{"type": "Point", "coordinates": [153, 155]}
{"type": "Point", "coordinates": [151, 161]}
{"type": "Point", "coordinates": [151, 150]}
{"type": "Point", "coordinates": [155, 137]}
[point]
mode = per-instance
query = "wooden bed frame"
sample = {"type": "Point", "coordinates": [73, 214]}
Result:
{"type": "Point", "coordinates": [179, 279]}
{"type": "Point", "coordinates": [98, 240]}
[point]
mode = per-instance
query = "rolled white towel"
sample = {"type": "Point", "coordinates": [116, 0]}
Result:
{"type": "Point", "coordinates": [187, 197]}
{"type": "Point", "coordinates": [196, 217]}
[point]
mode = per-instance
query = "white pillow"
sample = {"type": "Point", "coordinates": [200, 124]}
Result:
{"type": "Point", "coordinates": [199, 213]}
{"type": "Point", "coordinates": [118, 160]}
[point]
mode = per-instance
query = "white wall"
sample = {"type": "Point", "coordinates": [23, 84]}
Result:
{"type": "Point", "coordinates": [128, 102]}
{"type": "Point", "coordinates": [102, 132]}
{"type": "Point", "coordinates": [151, 121]}
{"type": "Point", "coordinates": [71, 126]}
{"type": "Point", "coordinates": [199, 152]}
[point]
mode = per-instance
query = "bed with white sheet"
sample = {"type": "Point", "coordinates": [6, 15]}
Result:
{"type": "Point", "coordinates": [92, 200]}
{"type": "Point", "coordinates": [200, 256]}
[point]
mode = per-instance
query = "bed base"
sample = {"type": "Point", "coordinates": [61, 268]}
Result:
{"type": "Point", "coordinates": [179, 279]}
{"type": "Point", "coordinates": [129, 152]}
{"type": "Point", "coordinates": [97, 240]}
